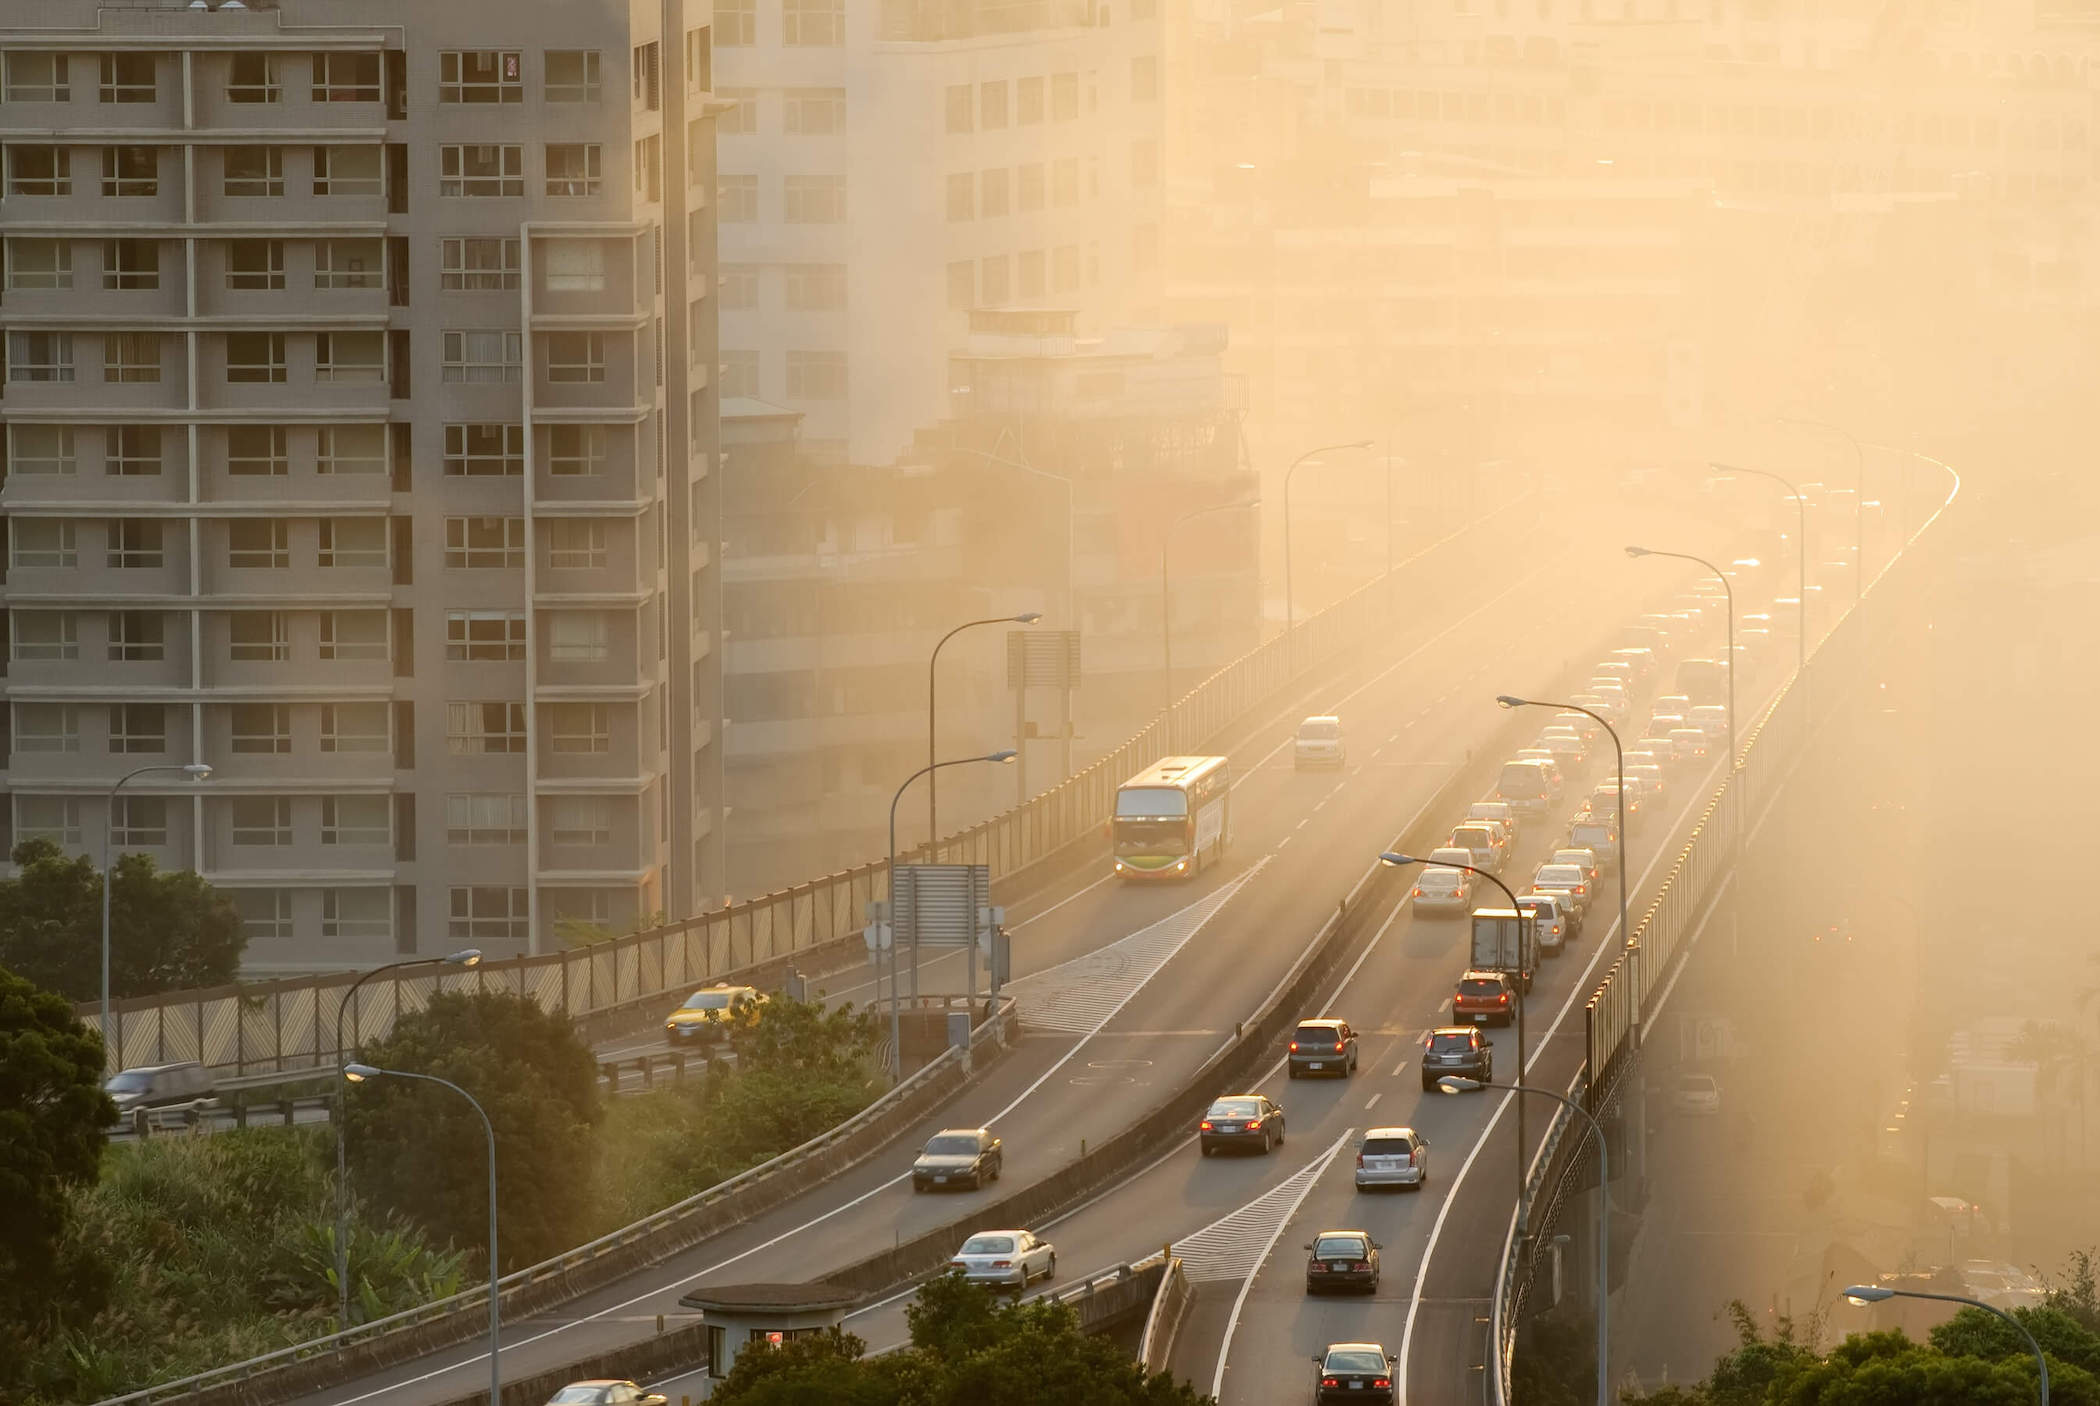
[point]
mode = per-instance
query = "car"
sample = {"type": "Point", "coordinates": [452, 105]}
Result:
{"type": "Point", "coordinates": [1599, 834]}
{"type": "Point", "coordinates": [149, 1092]}
{"type": "Point", "coordinates": [1696, 1093]}
{"type": "Point", "coordinates": [1495, 810]}
{"type": "Point", "coordinates": [1500, 829]}
{"type": "Point", "coordinates": [1575, 855]}
{"type": "Point", "coordinates": [1674, 705]}
{"type": "Point", "coordinates": [1703, 680]}
{"type": "Point", "coordinates": [1710, 718]}
{"type": "Point", "coordinates": [1556, 778]}
{"type": "Point", "coordinates": [1456, 1049]}
{"type": "Point", "coordinates": [708, 1014]}
{"type": "Point", "coordinates": [1650, 777]}
{"type": "Point", "coordinates": [1441, 889]}
{"type": "Point", "coordinates": [1614, 689]}
{"type": "Point", "coordinates": [1243, 1120]}
{"type": "Point", "coordinates": [958, 1157]}
{"type": "Point", "coordinates": [1341, 1259]}
{"type": "Point", "coordinates": [1529, 787]}
{"type": "Point", "coordinates": [1353, 1372]}
{"type": "Point", "coordinates": [603, 1391]}
{"type": "Point", "coordinates": [1324, 1046]}
{"type": "Point", "coordinates": [1005, 1259]}
{"type": "Point", "coordinates": [1484, 847]}
{"type": "Point", "coordinates": [1452, 856]}
{"type": "Point", "coordinates": [1651, 751]}
{"type": "Point", "coordinates": [1604, 799]}
{"type": "Point", "coordinates": [1621, 669]}
{"type": "Point", "coordinates": [1612, 710]}
{"type": "Point", "coordinates": [1691, 743]}
{"type": "Point", "coordinates": [1661, 725]}
{"type": "Point", "coordinates": [1319, 742]}
{"type": "Point", "coordinates": [1484, 996]}
{"type": "Point", "coordinates": [1551, 921]}
{"type": "Point", "coordinates": [1564, 746]}
{"type": "Point", "coordinates": [1396, 1156]}
{"type": "Point", "coordinates": [1569, 879]}
{"type": "Point", "coordinates": [1586, 727]}
{"type": "Point", "coordinates": [1639, 656]}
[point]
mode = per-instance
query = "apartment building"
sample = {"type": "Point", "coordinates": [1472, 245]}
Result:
{"type": "Point", "coordinates": [350, 451]}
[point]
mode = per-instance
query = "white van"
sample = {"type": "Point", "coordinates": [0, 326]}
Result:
{"type": "Point", "coordinates": [1319, 742]}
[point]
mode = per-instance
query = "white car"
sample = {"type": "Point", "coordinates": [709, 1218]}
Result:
{"type": "Point", "coordinates": [1696, 1093]}
{"type": "Point", "coordinates": [1710, 718]}
{"type": "Point", "coordinates": [1501, 811]}
{"type": "Point", "coordinates": [1011, 1259]}
{"type": "Point", "coordinates": [1319, 742]}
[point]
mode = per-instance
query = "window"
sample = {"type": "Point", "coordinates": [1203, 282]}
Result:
{"type": "Point", "coordinates": [816, 375]}
{"type": "Point", "coordinates": [479, 265]}
{"type": "Point", "coordinates": [131, 451]}
{"type": "Point", "coordinates": [1144, 78]}
{"type": "Point", "coordinates": [46, 727]}
{"type": "Point", "coordinates": [699, 61]}
{"type": "Point", "coordinates": [489, 915]}
{"type": "Point", "coordinates": [481, 76]}
{"type": "Point", "coordinates": [579, 727]}
{"type": "Point", "coordinates": [575, 357]}
{"type": "Point", "coordinates": [575, 451]}
{"type": "Point", "coordinates": [45, 541]}
{"type": "Point", "coordinates": [1028, 181]}
{"type": "Point", "coordinates": [46, 636]}
{"type": "Point", "coordinates": [255, 358]}
{"type": "Point", "coordinates": [579, 637]}
{"type": "Point", "coordinates": [134, 542]}
{"type": "Point", "coordinates": [357, 820]}
{"type": "Point", "coordinates": [648, 76]}
{"type": "Point", "coordinates": [40, 356]}
{"type": "Point", "coordinates": [741, 120]}
{"type": "Point", "coordinates": [480, 729]}
{"type": "Point", "coordinates": [478, 542]}
{"type": "Point", "coordinates": [484, 451]}
{"type": "Point", "coordinates": [261, 727]}
{"type": "Point", "coordinates": [736, 199]}
{"type": "Point", "coordinates": [814, 112]}
{"type": "Point", "coordinates": [138, 822]}
{"type": "Point", "coordinates": [350, 358]}
{"type": "Point", "coordinates": [131, 358]}
{"type": "Point", "coordinates": [738, 287]}
{"type": "Point", "coordinates": [648, 165]}
{"type": "Point", "coordinates": [575, 168]}
{"type": "Point", "coordinates": [127, 78]}
{"type": "Point", "coordinates": [261, 822]}
{"type": "Point", "coordinates": [962, 285]}
{"type": "Point", "coordinates": [138, 728]}
{"type": "Point", "coordinates": [254, 263]}
{"type": "Point", "coordinates": [572, 76]}
{"type": "Point", "coordinates": [738, 373]}
{"type": "Point", "coordinates": [991, 192]}
{"type": "Point", "coordinates": [256, 450]}
{"type": "Point", "coordinates": [34, 77]}
{"type": "Point", "coordinates": [483, 357]}
{"type": "Point", "coordinates": [962, 108]}
{"type": "Point", "coordinates": [813, 22]}
{"type": "Point", "coordinates": [346, 263]}
{"type": "Point", "coordinates": [491, 636]}
{"type": "Point", "coordinates": [816, 287]}
{"type": "Point", "coordinates": [254, 170]}
{"type": "Point", "coordinates": [1064, 181]}
{"type": "Point", "coordinates": [265, 913]}
{"type": "Point", "coordinates": [736, 22]}
{"type": "Point", "coordinates": [351, 449]}
{"type": "Point", "coordinates": [138, 637]}
{"type": "Point", "coordinates": [481, 170]}
{"type": "Point", "coordinates": [1064, 97]}
{"type": "Point", "coordinates": [258, 542]}
{"type": "Point", "coordinates": [575, 266]}
{"type": "Point", "coordinates": [815, 199]}
{"type": "Point", "coordinates": [484, 818]}
{"type": "Point", "coordinates": [1028, 100]}
{"type": "Point", "coordinates": [130, 171]}
{"type": "Point", "coordinates": [346, 78]}
{"type": "Point", "coordinates": [53, 818]}
{"type": "Point", "coordinates": [41, 449]}
{"type": "Point", "coordinates": [253, 78]}
{"type": "Point", "coordinates": [353, 634]}
{"type": "Point", "coordinates": [353, 541]}
{"type": "Point", "coordinates": [347, 170]}
{"type": "Point", "coordinates": [260, 636]}
{"type": "Point", "coordinates": [355, 727]}
{"type": "Point", "coordinates": [579, 820]}
{"type": "Point", "coordinates": [357, 912]}
{"type": "Point", "coordinates": [39, 170]}
{"type": "Point", "coordinates": [131, 263]}
{"type": "Point", "coordinates": [45, 264]}
{"type": "Point", "coordinates": [576, 543]}
{"type": "Point", "coordinates": [991, 104]}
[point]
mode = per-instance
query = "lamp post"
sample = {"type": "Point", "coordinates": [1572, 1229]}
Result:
{"type": "Point", "coordinates": [1729, 590]}
{"type": "Point", "coordinates": [1026, 617]}
{"type": "Point", "coordinates": [1452, 1084]}
{"type": "Point", "coordinates": [1800, 555]}
{"type": "Point", "coordinates": [465, 957]}
{"type": "Point", "coordinates": [1166, 612]}
{"type": "Point", "coordinates": [897, 1048]}
{"type": "Point", "coordinates": [1859, 496]}
{"type": "Point", "coordinates": [1863, 1294]}
{"type": "Point", "coordinates": [357, 1074]}
{"type": "Point", "coordinates": [1625, 857]}
{"type": "Point", "coordinates": [1289, 612]}
{"type": "Point", "coordinates": [195, 771]}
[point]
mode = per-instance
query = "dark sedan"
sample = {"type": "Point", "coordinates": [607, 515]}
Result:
{"type": "Point", "coordinates": [1341, 1259]}
{"type": "Point", "coordinates": [958, 1157]}
{"type": "Point", "coordinates": [1245, 1120]}
{"type": "Point", "coordinates": [1353, 1372]}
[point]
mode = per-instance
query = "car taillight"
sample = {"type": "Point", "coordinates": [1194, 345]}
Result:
{"type": "Point", "coordinates": [1359, 1159]}
{"type": "Point", "coordinates": [1204, 1126]}
{"type": "Point", "coordinates": [1418, 891]}
{"type": "Point", "coordinates": [1294, 1047]}
{"type": "Point", "coordinates": [1363, 1265]}
{"type": "Point", "coordinates": [1319, 1266]}
{"type": "Point", "coordinates": [1002, 1264]}
{"type": "Point", "coordinates": [1410, 1158]}
{"type": "Point", "coordinates": [1382, 1384]}
{"type": "Point", "coordinates": [1254, 1125]}
{"type": "Point", "coordinates": [1330, 1381]}
{"type": "Point", "coordinates": [1503, 999]}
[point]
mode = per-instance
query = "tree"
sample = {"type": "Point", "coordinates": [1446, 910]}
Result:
{"type": "Point", "coordinates": [168, 930]}
{"type": "Point", "coordinates": [419, 1150]}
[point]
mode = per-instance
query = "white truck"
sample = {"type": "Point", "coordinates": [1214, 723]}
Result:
{"type": "Point", "coordinates": [1504, 941]}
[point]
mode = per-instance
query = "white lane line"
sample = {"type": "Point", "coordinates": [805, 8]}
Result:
{"type": "Point", "coordinates": [1303, 823]}
{"type": "Point", "coordinates": [1399, 1069]}
{"type": "Point", "coordinates": [1372, 1102]}
{"type": "Point", "coordinates": [1239, 1302]}
{"type": "Point", "coordinates": [1407, 1333]}
{"type": "Point", "coordinates": [1104, 879]}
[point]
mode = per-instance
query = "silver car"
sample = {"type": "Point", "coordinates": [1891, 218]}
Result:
{"type": "Point", "coordinates": [1442, 890]}
{"type": "Point", "coordinates": [1548, 922]}
{"type": "Point", "coordinates": [1011, 1259]}
{"type": "Point", "coordinates": [1567, 879]}
{"type": "Point", "coordinates": [1392, 1157]}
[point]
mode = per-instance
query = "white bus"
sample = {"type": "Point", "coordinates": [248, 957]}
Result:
{"type": "Point", "coordinates": [1172, 818]}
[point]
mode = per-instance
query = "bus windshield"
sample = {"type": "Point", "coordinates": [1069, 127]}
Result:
{"type": "Point", "coordinates": [1151, 802]}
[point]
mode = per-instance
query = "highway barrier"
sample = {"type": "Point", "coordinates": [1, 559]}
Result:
{"type": "Point", "coordinates": [1170, 1309]}
{"type": "Point", "coordinates": [678, 1349]}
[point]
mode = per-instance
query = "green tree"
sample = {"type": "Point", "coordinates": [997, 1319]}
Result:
{"type": "Point", "coordinates": [169, 930]}
{"type": "Point", "coordinates": [419, 1151]}
{"type": "Point", "coordinates": [1974, 1333]}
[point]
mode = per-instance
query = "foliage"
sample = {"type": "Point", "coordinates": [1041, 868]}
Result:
{"type": "Point", "coordinates": [421, 1149]}
{"type": "Point", "coordinates": [168, 930]}
{"type": "Point", "coordinates": [582, 932]}
{"type": "Point", "coordinates": [2077, 1293]}
{"type": "Point", "coordinates": [1556, 1360]}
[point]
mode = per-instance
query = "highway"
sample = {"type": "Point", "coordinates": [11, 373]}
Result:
{"type": "Point", "coordinates": [1127, 990]}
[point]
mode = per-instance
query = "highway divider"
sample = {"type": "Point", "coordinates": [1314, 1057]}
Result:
{"type": "Point", "coordinates": [1170, 1309]}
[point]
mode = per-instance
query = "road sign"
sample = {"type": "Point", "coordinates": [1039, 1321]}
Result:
{"type": "Point", "coordinates": [937, 905]}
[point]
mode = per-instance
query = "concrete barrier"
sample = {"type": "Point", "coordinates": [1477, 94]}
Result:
{"type": "Point", "coordinates": [1170, 1309]}
{"type": "Point", "coordinates": [678, 1350]}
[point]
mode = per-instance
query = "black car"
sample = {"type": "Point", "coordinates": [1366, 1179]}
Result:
{"type": "Point", "coordinates": [958, 1157]}
{"type": "Point", "coordinates": [1457, 1049]}
{"type": "Point", "coordinates": [1353, 1372]}
{"type": "Point", "coordinates": [1341, 1259]}
{"type": "Point", "coordinates": [1323, 1047]}
{"type": "Point", "coordinates": [1244, 1120]}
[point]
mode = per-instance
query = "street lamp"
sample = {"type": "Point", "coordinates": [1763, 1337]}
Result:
{"type": "Point", "coordinates": [1026, 617]}
{"type": "Point", "coordinates": [1289, 613]}
{"type": "Point", "coordinates": [1722, 577]}
{"type": "Point", "coordinates": [1859, 496]}
{"type": "Point", "coordinates": [465, 957]}
{"type": "Point", "coordinates": [357, 1074]}
{"type": "Point", "coordinates": [1800, 554]}
{"type": "Point", "coordinates": [1625, 857]}
{"type": "Point", "coordinates": [1453, 1084]}
{"type": "Point", "coordinates": [897, 1047]}
{"type": "Point", "coordinates": [195, 771]}
{"type": "Point", "coordinates": [1863, 1294]}
{"type": "Point", "coordinates": [1166, 613]}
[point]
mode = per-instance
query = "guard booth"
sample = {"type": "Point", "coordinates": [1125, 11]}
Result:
{"type": "Point", "coordinates": [737, 1315]}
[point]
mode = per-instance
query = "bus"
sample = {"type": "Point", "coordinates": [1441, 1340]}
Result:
{"type": "Point", "coordinates": [1172, 818]}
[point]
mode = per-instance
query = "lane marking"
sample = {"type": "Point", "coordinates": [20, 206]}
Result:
{"type": "Point", "coordinates": [1239, 1302]}
{"type": "Point", "coordinates": [1400, 1068]}
{"type": "Point", "coordinates": [1372, 1102]}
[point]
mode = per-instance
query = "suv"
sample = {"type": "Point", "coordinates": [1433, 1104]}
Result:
{"type": "Point", "coordinates": [1319, 742]}
{"type": "Point", "coordinates": [1481, 842]}
{"type": "Point", "coordinates": [1323, 1047]}
{"type": "Point", "coordinates": [152, 1090]}
{"type": "Point", "coordinates": [1393, 1157]}
{"type": "Point", "coordinates": [1551, 922]}
{"type": "Point", "coordinates": [1457, 1049]}
{"type": "Point", "coordinates": [1485, 995]}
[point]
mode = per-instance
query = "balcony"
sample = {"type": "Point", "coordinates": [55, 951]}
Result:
{"type": "Point", "coordinates": [342, 275]}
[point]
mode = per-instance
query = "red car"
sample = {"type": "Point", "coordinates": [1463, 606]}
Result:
{"type": "Point", "coordinates": [1485, 995]}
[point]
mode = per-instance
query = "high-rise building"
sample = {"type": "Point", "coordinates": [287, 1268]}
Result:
{"type": "Point", "coordinates": [360, 441]}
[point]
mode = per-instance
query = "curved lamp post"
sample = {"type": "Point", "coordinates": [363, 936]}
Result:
{"type": "Point", "coordinates": [1625, 858]}
{"type": "Point", "coordinates": [1859, 495]}
{"type": "Point", "coordinates": [1722, 577]}
{"type": "Point", "coordinates": [1800, 555]}
{"type": "Point", "coordinates": [1166, 612]}
{"type": "Point", "coordinates": [1290, 619]}
{"type": "Point", "coordinates": [1863, 1294]}
{"type": "Point", "coordinates": [195, 771]}
{"type": "Point", "coordinates": [1026, 617]}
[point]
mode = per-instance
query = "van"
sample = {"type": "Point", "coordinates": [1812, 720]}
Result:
{"type": "Point", "coordinates": [1319, 743]}
{"type": "Point", "coordinates": [151, 1091]}
{"type": "Point", "coordinates": [1703, 680]}
{"type": "Point", "coordinates": [1526, 785]}
{"type": "Point", "coordinates": [1479, 841]}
